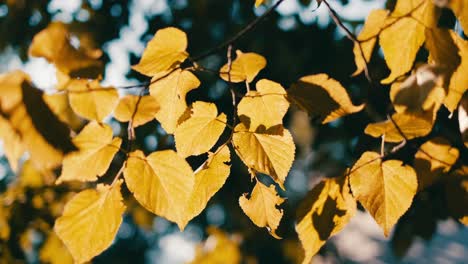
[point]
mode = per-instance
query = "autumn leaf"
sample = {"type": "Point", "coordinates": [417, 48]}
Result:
{"type": "Point", "coordinates": [271, 153]}
{"type": "Point", "coordinates": [96, 151]}
{"type": "Point", "coordinates": [322, 97]}
{"type": "Point", "coordinates": [261, 207]}
{"type": "Point", "coordinates": [269, 102]}
{"type": "Point", "coordinates": [244, 68]}
{"type": "Point", "coordinates": [54, 44]}
{"type": "Point", "coordinates": [412, 125]}
{"type": "Point", "coordinates": [26, 118]}
{"type": "Point", "coordinates": [367, 38]}
{"type": "Point", "coordinates": [161, 182]}
{"type": "Point", "coordinates": [90, 100]}
{"type": "Point", "coordinates": [459, 81]}
{"type": "Point", "coordinates": [165, 51]}
{"type": "Point", "coordinates": [385, 188]}
{"type": "Point", "coordinates": [259, 2]}
{"type": "Point", "coordinates": [139, 111]}
{"type": "Point", "coordinates": [218, 248]}
{"type": "Point", "coordinates": [324, 212]}
{"type": "Point", "coordinates": [404, 34]}
{"type": "Point", "coordinates": [90, 221]}
{"type": "Point", "coordinates": [422, 91]}
{"type": "Point", "coordinates": [201, 131]}
{"type": "Point", "coordinates": [209, 179]}
{"type": "Point", "coordinates": [12, 146]}
{"type": "Point", "coordinates": [434, 158]}
{"type": "Point", "coordinates": [59, 103]}
{"type": "Point", "coordinates": [54, 251]}
{"type": "Point", "coordinates": [170, 92]}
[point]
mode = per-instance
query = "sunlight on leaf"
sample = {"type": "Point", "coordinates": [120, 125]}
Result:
{"type": "Point", "coordinates": [127, 109]}
{"type": "Point", "coordinates": [322, 97]}
{"type": "Point", "coordinates": [324, 212]}
{"type": "Point", "coordinates": [164, 52]}
{"type": "Point", "coordinates": [201, 131]}
{"type": "Point", "coordinates": [161, 182]}
{"type": "Point", "coordinates": [385, 188]}
{"type": "Point", "coordinates": [90, 221]}
{"type": "Point", "coordinates": [96, 149]}
{"type": "Point", "coordinates": [92, 101]}
{"type": "Point", "coordinates": [271, 153]}
{"type": "Point", "coordinates": [261, 207]}
{"type": "Point", "coordinates": [170, 92]}
{"type": "Point", "coordinates": [265, 107]}
{"type": "Point", "coordinates": [244, 68]}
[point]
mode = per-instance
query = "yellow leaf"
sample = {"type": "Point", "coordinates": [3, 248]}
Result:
{"type": "Point", "coordinates": [460, 8]}
{"type": "Point", "coordinates": [270, 153]}
{"type": "Point", "coordinates": [459, 81]}
{"type": "Point", "coordinates": [96, 149]}
{"type": "Point", "coordinates": [90, 221]}
{"type": "Point", "coordinates": [244, 68]}
{"type": "Point", "coordinates": [53, 44]}
{"type": "Point", "coordinates": [404, 34]}
{"type": "Point", "coordinates": [164, 52]}
{"type": "Point", "coordinates": [386, 189]}
{"type": "Point", "coordinates": [140, 111]}
{"type": "Point", "coordinates": [367, 38]}
{"type": "Point", "coordinates": [434, 158]}
{"type": "Point", "coordinates": [210, 177]}
{"type": "Point", "coordinates": [218, 248]}
{"type": "Point", "coordinates": [422, 91]}
{"type": "Point", "coordinates": [265, 107]}
{"type": "Point", "coordinates": [30, 176]}
{"type": "Point", "coordinates": [4, 225]}
{"type": "Point", "coordinates": [199, 133]}
{"type": "Point", "coordinates": [59, 104]}
{"type": "Point", "coordinates": [412, 125]}
{"type": "Point", "coordinates": [54, 251]}
{"type": "Point", "coordinates": [162, 183]}
{"type": "Point", "coordinates": [322, 97]}
{"type": "Point", "coordinates": [170, 92]}
{"type": "Point", "coordinates": [12, 145]}
{"type": "Point", "coordinates": [90, 100]}
{"type": "Point", "coordinates": [325, 211]}
{"type": "Point", "coordinates": [443, 51]}
{"type": "Point", "coordinates": [260, 207]}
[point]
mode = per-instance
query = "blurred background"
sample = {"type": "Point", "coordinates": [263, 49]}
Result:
{"type": "Point", "coordinates": [297, 40]}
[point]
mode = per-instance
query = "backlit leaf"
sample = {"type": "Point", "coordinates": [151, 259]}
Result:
{"type": "Point", "coordinates": [422, 91]}
{"type": "Point", "coordinates": [434, 158]}
{"type": "Point", "coordinates": [459, 81]}
{"type": "Point", "coordinates": [170, 92]}
{"type": "Point", "coordinates": [164, 52]}
{"type": "Point", "coordinates": [59, 104]}
{"type": "Point", "coordinates": [140, 111]}
{"type": "Point", "coordinates": [271, 153]}
{"type": "Point", "coordinates": [385, 188]}
{"type": "Point", "coordinates": [404, 34]}
{"type": "Point", "coordinates": [412, 125]}
{"type": "Point", "coordinates": [199, 133]}
{"type": "Point", "coordinates": [54, 44]}
{"type": "Point", "coordinates": [90, 221]}
{"type": "Point", "coordinates": [325, 211]}
{"type": "Point", "coordinates": [162, 183]}
{"type": "Point", "coordinates": [54, 251]}
{"type": "Point", "coordinates": [96, 149]}
{"type": "Point", "coordinates": [218, 248]}
{"type": "Point", "coordinates": [367, 38]}
{"type": "Point", "coordinates": [209, 178]}
{"type": "Point", "coordinates": [92, 101]}
{"type": "Point", "coordinates": [322, 97]}
{"type": "Point", "coordinates": [265, 107]}
{"type": "Point", "coordinates": [244, 68]}
{"type": "Point", "coordinates": [261, 207]}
